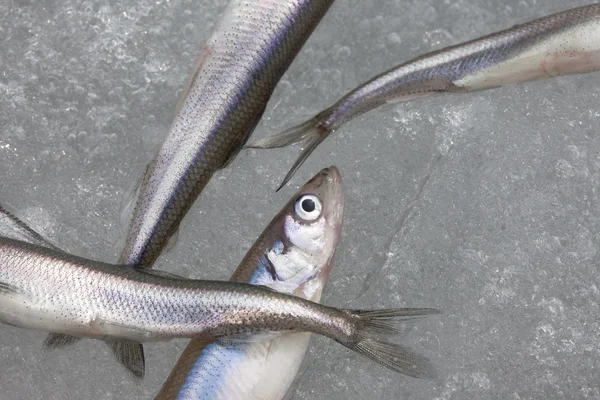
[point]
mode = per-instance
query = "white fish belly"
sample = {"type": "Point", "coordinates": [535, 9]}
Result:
{"type": "Point", "coordinates": [18, 310]}
{"type": "Point", "coordinates": [262, 370]}
{"type": "Point", "coordinates": [246, 371]}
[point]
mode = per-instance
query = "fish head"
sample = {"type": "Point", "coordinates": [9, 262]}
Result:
{"type": "Point", "coordinates": [312, 219]}
{"type": "Point", "coordinates": [308, 231]}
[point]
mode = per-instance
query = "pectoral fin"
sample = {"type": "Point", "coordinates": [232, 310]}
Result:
{"type": "Point", "coordinates": [59, 340]}
{"type": "Point", "coordinates": [14, 226]}
{"type": "Point", "coordinates": [5, 288]}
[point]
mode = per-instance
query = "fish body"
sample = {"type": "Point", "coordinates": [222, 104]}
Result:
{"type": "Point", "coordinates": [289, 257]}
{"type": "Point", "coordinates": [565, 43]}
{"type": "Point", "coordinates": [46, 289]}
{"type": "Point", "coordinates": [250, 48]}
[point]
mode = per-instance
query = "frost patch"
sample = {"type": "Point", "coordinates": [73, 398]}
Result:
{"type": "Point", "coordinates": [554, 305]}
{"type": "Point", "coordinates": [499, 295]}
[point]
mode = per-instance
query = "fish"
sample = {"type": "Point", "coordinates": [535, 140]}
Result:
{"type": "Point", "coordinates": [285, 259]}
{"type": "Point", "coordinates": [251, 46]}
{"type": "Point", "coordinates": [564, 43]}
{"type": "Point", "coordinates": [14, 226]}
{"type": "Point", "coordinates": [49, 290]}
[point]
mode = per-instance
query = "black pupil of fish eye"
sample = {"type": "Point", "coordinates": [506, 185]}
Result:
{"type": "Point", "coordinates": [308, 205]}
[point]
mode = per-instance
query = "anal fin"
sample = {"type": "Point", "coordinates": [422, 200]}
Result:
{"type": "Point", "coordinates": [131, 356]}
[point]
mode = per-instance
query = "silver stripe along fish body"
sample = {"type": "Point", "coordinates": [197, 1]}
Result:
{"type": "Point", "coordinates": [250, 48]}
{"type": "Point", "coordinates": [560, 44]}
{"type": "Point", "coordinates": [293, 255]}
{"type": "Point", "coordinates": [49, 290]}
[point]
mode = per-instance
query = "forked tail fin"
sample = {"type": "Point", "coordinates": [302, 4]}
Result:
{"type": "Point", "coordinates": [374, 328]}
{"type": "Point", "coordinates": [310, 133]}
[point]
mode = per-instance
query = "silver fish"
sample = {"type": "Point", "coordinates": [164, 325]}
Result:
{"type": "Point", "coordinates": [250, 48]}
{"type": "Point", "coordinates": [45, 289]}
{"type": "Point", "coordinates": [560, 44]}
{"type": "Point", "coordinates": [13, 226]}
{"type": "Point", "coordinates": [293, 261]}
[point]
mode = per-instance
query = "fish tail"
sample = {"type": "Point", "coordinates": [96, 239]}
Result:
{"type": "Point", "coordinates": [296, 134]}
{"type": "Point", "coordinates": [373, 328]}
{"type": "Point", "coordinates": [310, 133]}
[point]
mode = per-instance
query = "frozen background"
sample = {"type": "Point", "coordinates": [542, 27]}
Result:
{"type": "Point", "coordinates": [483, 205]}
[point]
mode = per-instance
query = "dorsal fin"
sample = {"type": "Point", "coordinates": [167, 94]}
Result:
{"type": "Point", "coordinates": [14, 226]}
{"type": "Point", "coordinates": [129, 201]}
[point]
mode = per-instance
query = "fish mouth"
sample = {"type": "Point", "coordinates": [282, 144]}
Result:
{"type": "Point", "coordinates": [334, 174]}
{"type": "Point", "coordinates": [328, 184]}
{"type": "Point", "coordinates": [335, 192]}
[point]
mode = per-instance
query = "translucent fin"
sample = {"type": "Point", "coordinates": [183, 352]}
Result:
{"type": "Point", "coordinates": [206, 51]}
{"type": "Point", "coordinates": [172, 242]}
{"type": "Point", "coordinates": [311, 133]}
{"type": "Point", "coordinates": [5, 288]}
{"type": "Point", "coordinates": [299, 161]}
{"type": "Point", "coordinates": [131, 356]}
{"type": "Point", "coordinates": [129, 201]}
{"type": "Point", "coordinates": [59, 340]}
{"type": "Point", "coordinates": [187, 87]}
{"type": "Point", "coordinates": [297, 134]}
{"type": "Point", "coordinates": [397, 358]}
{"type": "Point", "coordinates": [15, 227]}
{"type": "Point", "coordinates": [374, 327]}
{"type": "Point", "coordinates": [382, 323]}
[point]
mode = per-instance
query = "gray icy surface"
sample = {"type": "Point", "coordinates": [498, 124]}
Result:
{"type": "Point", "coordinates": [483, 205]}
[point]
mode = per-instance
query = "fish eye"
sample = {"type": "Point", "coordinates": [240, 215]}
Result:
{"type": "Point", "coordinates": [308, 207]}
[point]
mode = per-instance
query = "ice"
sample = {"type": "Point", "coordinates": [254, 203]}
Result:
{"type": "Point", "coordinates": [483, 205]}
